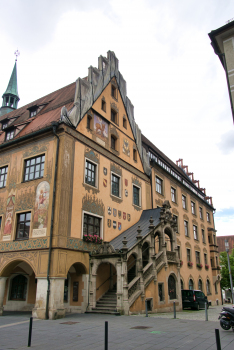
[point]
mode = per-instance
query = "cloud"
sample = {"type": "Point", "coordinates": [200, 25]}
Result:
{"type": "Point", "coordinates": [227, 212]}
{"type": "Point", "coordinates": [226, 144]}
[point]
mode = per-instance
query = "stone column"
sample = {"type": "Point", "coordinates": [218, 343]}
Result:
{"type": "Point", "coordinates": [39, 310]}
{"type": "Point", "coordinates": [119, 287]}
{"type": "Point", "coordinates": [93, 290]}
{"type": "Point", "coordinates": [85, 279]}
{"type": "Point", "coordinates": [125, 287]}
{"type": "Point", "coordinates": [56, 303]}
{"type": "Point", "coordinates": [2, 292]}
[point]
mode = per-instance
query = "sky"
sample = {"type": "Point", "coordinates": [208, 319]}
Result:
{"type": "Point", "coordinates": [174, 80]}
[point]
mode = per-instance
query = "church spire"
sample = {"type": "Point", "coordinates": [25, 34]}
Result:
{"type": "Point", "coordinates": [10, 98]}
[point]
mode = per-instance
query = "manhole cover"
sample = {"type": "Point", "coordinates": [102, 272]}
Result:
{"type": "Point", "coordinates": [140, 327]}
{"type": "Point", "coordinates": [69, 322]}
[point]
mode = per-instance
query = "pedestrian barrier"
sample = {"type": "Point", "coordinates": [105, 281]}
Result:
{"type": "Point", "coordinates": [30, 332]}
{"type": "Point", "coordinates": [217, 339]}
{"type": "Point", "coordinates": [106, 335]}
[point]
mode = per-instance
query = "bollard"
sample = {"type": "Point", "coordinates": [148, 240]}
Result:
{"type": "Point", "coordinates": [217, 339]}
{"type": "Point", "coordinates": [106, 335]}
{"type": "Point", "coordinates": [30, 332]}
{"type": "Point", "coordinates": [146, 309]}
{"type": "Point", "coordinates": [206, 311]}
{"type": "Point", "coordinates": [174, 309]}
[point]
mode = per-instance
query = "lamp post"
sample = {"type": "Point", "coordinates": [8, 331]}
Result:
{"type": "Point", "coordinates": [229, 267]}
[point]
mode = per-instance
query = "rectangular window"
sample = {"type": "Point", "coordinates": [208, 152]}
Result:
{"type": "Point", "coordinates": [195, 232]}
{"type": "Point", "coordinates": [176, 219]}
{"type": "Point", "coordinates": [103, 105]}
{"type": "Point", "coordinates": [90, 173]}
{"type": "Point", "coordinates": [197, 257]}
{"type": "Point", "coordinates": [10, 135]}
{"type": "Point", "coordinates": [205, 258]}
{"type": "Point", "coordinates": [208, 217]}
{"type": "Point", "coordinates": [34, 168]}
{"type": "Point", "coordinates": [136, 196]}
{"type": "Point", "coordinates": [184, 201]}
{"type": "Point", "coordinates": [91, 225]}
{"type": "Point", "coordinates": [193, 208]}
{"type": "Point", "coordinates": [159, 184]}
{"type": "Point", "coordinates": [178, 247]}
{"type": "Point", "coordinates": [115, 185]}
{"type": "Point", "coordinates": [125, 123]}
{"type": "Point", "coordinates": [113, 142]}
{"type": "Point", "coordinates": [203, 236]}
{"type": "Point", "coordinates": [3, 176]}
{"type": "Point", "coordinates": [113, 116]}
{"type": "Point", "coordinates": [113, 91]}
{"type": "Point", "coordinates": [89, 122]}
{"type": "Point", "coordinates": [33, 113]}
{"type": "Point", "coordinates": [188, 255]}
{"type": "Point", "coordinates": [160, 292]}
{"type": "Point", "coordinates": [173, 194]}
{"type": "Point", "coordinates": [209, 239]}
{"type": "Point", "coordinates": [186, 228]}
{"type": "Point", "coordinates": [0, 222]}
{"type": "Point", "coordinates": [214, 239]}
{"type": "Point", "coordinates": [200, 213]}
{"type": "Point", "coordinates": [4, 125]}
{"type": "Point", "coordinates": [23, 225]}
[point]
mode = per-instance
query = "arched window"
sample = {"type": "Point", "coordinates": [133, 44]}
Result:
{"type": "Point", "coordinates": [172, 287]}
{"type": "Point", "coordinates": [200, 284]}
{"type": "Point", "coordinates": [182, 284]}
{"type": "Point", "coordinates": [19, 288]}
{"type": "Point", "coordinates": [190, 284]}
{"type": "Point", "coordinates": [208, 286]}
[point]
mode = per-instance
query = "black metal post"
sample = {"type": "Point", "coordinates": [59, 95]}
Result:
{"type": "Point", "coordinates": [174, 309]}
{"type": "Point", "coordinates": [30, 332]}
{"type": "Point", "coordinates": [106, 335]}
{"type": "Point", "coordinates": [206, 311]}
{"type": "Point", "coordinates": [217, 339]}
{"type": "Point", "coordinates": [146, 309]}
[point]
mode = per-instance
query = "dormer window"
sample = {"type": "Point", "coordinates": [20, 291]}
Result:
{"type": "Point", "coordinates": [4, 125]}
{"type": "Point", "coordinates": [33, 112]}
{"type": "Point", "coordinates": [10, 135]}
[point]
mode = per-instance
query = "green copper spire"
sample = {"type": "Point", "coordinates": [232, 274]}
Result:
{"type": "Point", "coordinates": [10, 98]}
{"type": "Point", "coordinates": [12, 85]}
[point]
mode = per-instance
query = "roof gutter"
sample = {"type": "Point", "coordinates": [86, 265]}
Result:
{"type": "Point", "coordinates": [54, 127]}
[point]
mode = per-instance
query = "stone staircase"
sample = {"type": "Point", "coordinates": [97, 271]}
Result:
{"type": "Point", "coordinates": [106, 304]}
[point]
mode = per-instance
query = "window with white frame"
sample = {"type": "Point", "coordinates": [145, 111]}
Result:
{"type": "Point", "coordinates": [203, 236]}
{"type": "Point", "coordinates": [184, 202]}
{"type": "Point", "coordinates": [195, 235]}
{"type": "Point", "coordinates": [10, 135]}
{"type": "Point", "coordinates": [159, 185]}
{"type": "Point", "coordinates": [34, 168]}
{"type": "Point", "coordinates": [115, 185]}
{"type": "Point", "coordinates": [3, 176]}
{"type": "Point", "coordinates": [208, 217]}
{"type": "Point", "coordinates": [197, 254]}
{"type": "Point", "coordinates": [92, 225]}
{"type": "Point", "coordinates": [90, 173]}
{"type": "Point", "coordinates": [23, 225]}
{"type": "Point", "coordinates": [193, 207]}
{"type": "Point", "coordinates": [200, 213]}
{"type": "Point", "coordinates": [186, 228]}
{"type": "Point", "coordinates": [173, 194]}
{"type": "Point", "coordinates": [136, 196]}
{"type": "Point", "coordinates": [188, 255]}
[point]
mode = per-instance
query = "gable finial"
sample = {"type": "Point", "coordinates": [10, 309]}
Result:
{"type": "Point", "coordinates": [16, 53]}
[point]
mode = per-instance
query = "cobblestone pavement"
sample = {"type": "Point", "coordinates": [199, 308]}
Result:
{"type": "Point", "coordinates": [86, 331]}
{"type": "Point", "coordinates": [188, 314]}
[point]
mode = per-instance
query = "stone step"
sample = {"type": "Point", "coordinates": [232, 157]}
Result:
{"type": "Point", "coordinates": [105, 305]}
{"type": "Point", "coordinates": [103, 312]}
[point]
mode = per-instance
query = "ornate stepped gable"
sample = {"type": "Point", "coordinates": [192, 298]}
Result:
{"type": "Point", "coordinates": [89, 89]}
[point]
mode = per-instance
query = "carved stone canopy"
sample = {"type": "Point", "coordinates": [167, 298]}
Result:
{"type": "Point", "coordinates": [105, 249]}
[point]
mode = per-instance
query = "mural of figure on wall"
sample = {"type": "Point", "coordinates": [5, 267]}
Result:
{"type": "Point", "coordinates": [41, 209]}
{"type": "Point", "coordinates": [100, 127]}
{"type": "Point", "coordinates": [9, 214]}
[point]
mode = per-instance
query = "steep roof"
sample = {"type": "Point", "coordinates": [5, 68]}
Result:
{"type": "Point", "coordinates": [131, 232]}
{"type": "Point", "coordinates": [12, 85]}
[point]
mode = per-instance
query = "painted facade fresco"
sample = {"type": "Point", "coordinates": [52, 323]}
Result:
{"type": "Point", "coordinates": [9, 215]}
{"type": "Point", "coordinates": [100, 128]}
{"type": "Point", "coordinates": [41, 209]}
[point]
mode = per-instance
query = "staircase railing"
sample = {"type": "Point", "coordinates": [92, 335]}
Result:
{"type": "Point", "coordinates": [114, 274]}
{"type": "Point", "coordinates": [147, 271]}
{"type": "Point", "coordinates": [133, 286]}
{"type": "Point", "coordinates": [159, 258]}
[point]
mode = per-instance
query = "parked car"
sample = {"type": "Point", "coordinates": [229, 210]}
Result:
{"type": "Point", "coordinates": [194, 299]}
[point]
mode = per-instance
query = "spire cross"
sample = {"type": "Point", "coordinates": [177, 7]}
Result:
{"type": "Point", "coordinates": [16, 53]}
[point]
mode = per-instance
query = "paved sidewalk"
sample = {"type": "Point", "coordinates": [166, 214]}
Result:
{"type": "Point", "coordinates": [86, 331]}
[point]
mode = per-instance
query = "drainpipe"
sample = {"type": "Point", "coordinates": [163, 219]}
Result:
{"type": "Point", "coordinates": [151, 186]}
{"type": "Point", "coordinates": [54, 125]}
{"type": "Point", "coordinates": [89, 280]}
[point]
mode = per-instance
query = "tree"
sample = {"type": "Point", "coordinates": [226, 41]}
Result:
{"type": "Point", "coordinates": [225, 279]}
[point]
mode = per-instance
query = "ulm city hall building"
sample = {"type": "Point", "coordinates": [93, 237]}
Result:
{"type": "Point", "coordinates": [94, 217]}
